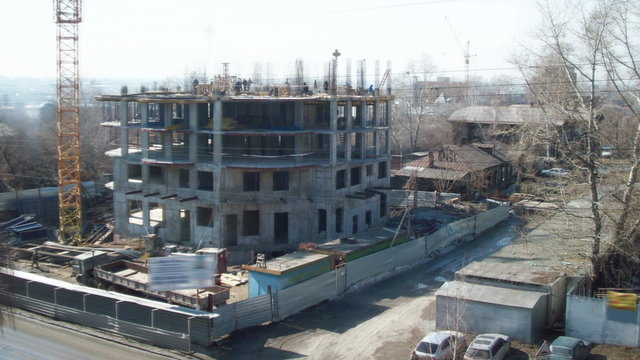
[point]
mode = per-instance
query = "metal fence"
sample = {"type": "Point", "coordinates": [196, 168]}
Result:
{"type": "Point", "coordinates": [148, 321]}
{"type": "Point", "coordinates": [177, 327]}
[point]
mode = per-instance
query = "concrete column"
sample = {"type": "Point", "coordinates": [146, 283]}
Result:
{"type": "Point", "coordinates": [389, 110]}
{"type": "Point", "coordinates": [193, 135]}
{"type": "Point", "coordinates": [333, 124]}
{"type": "Point", "coordinates": [298, 121]}
{"type": "Point", "coordinates": [145, 214]}
{"type": "Point", "coordinates": [348, 115]}
{"type": "Point", "coordinates": [144, 114]}
{"type": "Point", "coordinates": [376, 113]}
{"type": "Point", "coordinates": [333, 115]}
{"type": "Point", "coordinates": [124, 132]}
{"type": "Point", "coordinates": [145, 178]}
{"type": "Point", "coordinates": [217, 128]}
{"type": "Point", "coordinates": [167, 146]}
{"type": "Point", "coordinates": [364, 113]}
{"type": "Point", "coordinates": [347, 146]}
{"type": "Point", "coordinates": [376, 142]}
{"type": "Point", "coordinates": [166, 114]}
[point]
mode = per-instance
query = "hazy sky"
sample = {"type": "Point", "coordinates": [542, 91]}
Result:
{"type": "Point", "coordinates": [160, 39]}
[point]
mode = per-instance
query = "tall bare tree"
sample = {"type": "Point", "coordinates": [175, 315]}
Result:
{"type": "Point", "coordinates": [419, 117]}
{"type": "Point", "coordinates": [588, 59]}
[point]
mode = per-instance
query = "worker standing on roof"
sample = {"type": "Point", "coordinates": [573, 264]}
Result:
{"type": "Point", "coordinates": [34, 260]}
{"type": "Point", "coordinates": [370, 89]}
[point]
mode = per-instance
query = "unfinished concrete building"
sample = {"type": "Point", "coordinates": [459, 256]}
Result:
{"type": "Point", "coordinates": [250, 172]}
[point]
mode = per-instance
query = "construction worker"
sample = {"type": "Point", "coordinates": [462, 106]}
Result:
{"type": "Point", "coordinates": [34, 260]}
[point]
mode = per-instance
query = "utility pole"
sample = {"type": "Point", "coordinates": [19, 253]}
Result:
{"type": "Point", "coordinates": [67, 18]}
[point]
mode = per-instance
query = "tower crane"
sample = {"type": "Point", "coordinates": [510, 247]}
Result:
{"type": "Point", "coordinates": [467, 56]}
{"type": "Point", "coordinates": [67, 17]}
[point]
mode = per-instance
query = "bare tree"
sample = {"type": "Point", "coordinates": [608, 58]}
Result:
{"type": "Point", "coordinates": [582, 52]}
{"type": "Point", "coordinates": [419, 117]}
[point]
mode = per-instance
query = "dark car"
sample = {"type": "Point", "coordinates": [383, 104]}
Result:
{"type": "Point", "coordinates": [566, 347]}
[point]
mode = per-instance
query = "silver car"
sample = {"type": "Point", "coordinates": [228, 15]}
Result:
{"type": "Point", "coordinates": [488, 347]}
{"type": "Point", "coordinates": [440, 345]}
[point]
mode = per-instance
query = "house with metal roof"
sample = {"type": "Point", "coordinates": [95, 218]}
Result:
{"type": "Point", "coordinates": [486, 123]}
{"type": "Point", "coordinates": [465, 169]}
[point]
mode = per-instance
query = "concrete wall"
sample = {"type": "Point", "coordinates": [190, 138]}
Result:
{"type": "Point", "coordinates": [522, 324]}
{"type": "Point", "coordinates": [590, 319]}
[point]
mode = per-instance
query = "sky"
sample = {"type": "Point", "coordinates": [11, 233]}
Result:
{"type": "Point", "coordinates": [166, 39]}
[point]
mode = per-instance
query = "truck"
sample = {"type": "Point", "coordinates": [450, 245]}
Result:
{"type": "Point", "coordinates": [95, 269]}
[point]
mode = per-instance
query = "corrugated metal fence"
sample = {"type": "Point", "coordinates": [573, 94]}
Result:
{"type": "Point", "coordinates": [178, 329]}
{"type": "Point", "coordinates": [168, 326]}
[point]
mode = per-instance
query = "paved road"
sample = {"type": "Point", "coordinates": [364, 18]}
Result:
{"type": "Point", "coordinates": [383, 321]}
{"type": "Point", "coordinates": [31, 338]}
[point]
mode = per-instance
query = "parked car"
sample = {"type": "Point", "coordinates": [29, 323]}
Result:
{"type": "Point", "coordinates": [555, 172]}
{"type": "Point", "coordinates": [566, 347]}
{"type": "Point", "coordinates": [440, 345]}
{"type": "Point", "coordinates": [607, 151]}
{"type": "Point", "coordinates": [488, 347]}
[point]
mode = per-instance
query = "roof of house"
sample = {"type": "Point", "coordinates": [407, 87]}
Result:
{"type": "Point", "coordinates": [490, 294]}
{"type": "Point", "coordinates": [290, 261]}
{"type": "Point", "coordinates": [505, 115]}
{"type": "Point", "coordinates": [454, 162]}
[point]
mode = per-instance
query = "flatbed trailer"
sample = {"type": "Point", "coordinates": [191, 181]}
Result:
{"type": "Point", "coordinates": [133, 276]}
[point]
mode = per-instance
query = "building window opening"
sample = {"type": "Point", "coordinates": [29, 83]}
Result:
{"type": "Point", "coordinates": [183, 178]}
{"type": "Point", "coordinates": [322, 221]}
{"type": "Point", "coordinates": [204, 216]}
{"type": "Point", "coordinates": [134, 173]}
{"type": "Point", "coordinates": [156, 214]}
{"type": "Point", "coordinates": [340, 179]}
{"type": "Point", "coordinates": [367, 218]}
{"type": "Point", "coordinates": [354, 224]}
{"type": "Point", "coordinates": [205, 180]}
{"type": "Point", "coordinates": [156, 175]}
{"type": "Point", "coordinates": [281, 228]}
{"type": "Point", "coordinates": [134, 212]}
{"type": "Point", "coordinates": [339, 214]}
{"type": "Point", "coordinates": [251, 181]}
{"type": "Point", "coordinates": [383, 205]}
{"type": "Point", "coordinates": [382, 170]}
{"type": "Point", "coordinates": [280, 181]}
{"type": "Point", "coordinates": [355, 176]}
{"type": "Point", "coordinates": [251, 222]}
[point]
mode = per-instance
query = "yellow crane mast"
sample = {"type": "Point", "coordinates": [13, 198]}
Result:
{"type": "Point", "coordinates": [67, 18]}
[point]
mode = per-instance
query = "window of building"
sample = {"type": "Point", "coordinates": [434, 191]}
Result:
{"type": "Point", "coordinates": [280, 181]}
{"type": "Point", "coordinates": [156, 214]}
{"type": "Point", "coordinates": [205, 180]}
{"type": "Point", "coordinates": [383, 205]}
{"type": "Point", "coordinates": [204, 216]}
{"type": "Point", "coordinates": [134, 172]}
{"type": "Point", "coordinates": [340, 181]}
{"type": "Point", "coordinates": [231, 230]}
{"type": "Point", "coordinates": [367, 218]}
{"type": "Point", "coordinates": [156, 175]}
{"type": "Point", "coordinates": [134, 211]}
{"type": "Point", "coordinates": [322, 220]}
{"type": "Point", "coordinates": [355, 175]}
{"type": "Point", "coordinates": [281, 228]}
{"type": "Point", "coordinates": [250, 222]}
{"type": "Point", "coordinates": [354, 224]}
{"type": "Point", "coordinates": [251, 181]}
{"type": "Point", "coordinates": [339, 214]}
{"type": "Point", "coordinates": [369, 170]}
{"type": "Point", "coordinates": [382, 169]}
{"type": "Point", "coordinates": [183, 178]}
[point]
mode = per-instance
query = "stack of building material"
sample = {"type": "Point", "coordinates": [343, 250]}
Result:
{"type": "Point", "coordinates": [232, 280]}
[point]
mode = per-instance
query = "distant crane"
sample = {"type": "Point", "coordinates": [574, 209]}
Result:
{"type": "Point", "coordinates": [467, 56]}
{"type": "Point", "coordinates": [67, 17]}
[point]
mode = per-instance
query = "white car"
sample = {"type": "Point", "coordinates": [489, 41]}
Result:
{"type": "Point", "coordinates": [440, 345]}
{"type": "Point", "coordinates": [555, 172]}
{"type": "Point", "coordinates": [488, 347]}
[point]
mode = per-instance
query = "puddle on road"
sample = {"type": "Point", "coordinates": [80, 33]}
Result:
{"type": "Point", "coordinates": [421, 286]}
{"type": "Point", "coordinates": [504, 241]}
{"type": "Point", "coordinates": [440, 279]}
